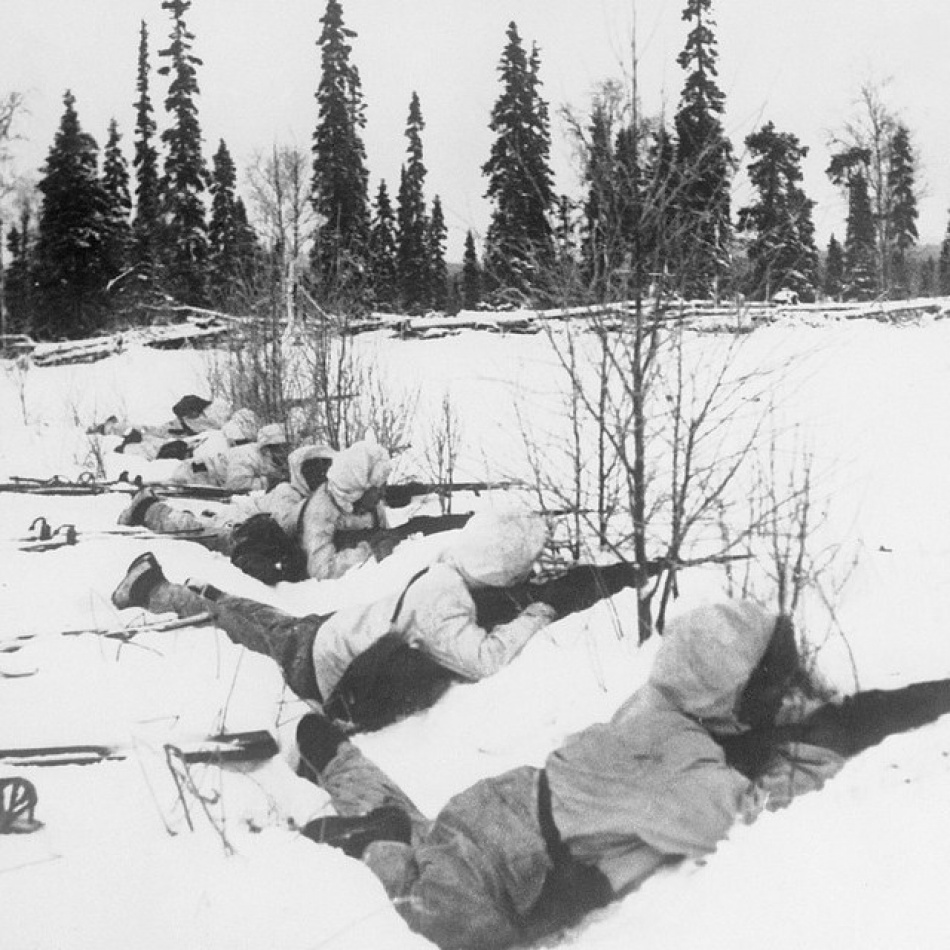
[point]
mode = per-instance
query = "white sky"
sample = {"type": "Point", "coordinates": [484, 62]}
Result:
{"type": "Point", "coordinates": [797, 63]}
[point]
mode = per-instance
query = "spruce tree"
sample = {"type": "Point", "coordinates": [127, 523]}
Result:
{"type": "Point", "coordinates": [903, 208]}
{"type": "Point", "coordinates": [146, 224]}
{"type": "Point", "coordinates": [186, 174]}
{"type": "Point", "coordinates": [228, 239]}
{"type": "Point", "coordinates": [73, 232]}
{"type": "Point", "coordinates": [436, 234]}
{"type": "Point", "coordinates": [471, 274]}
{"type": "Point", "coordinates": [249, 251]}
{"type": "Point", "coordinates": [340, 180]}
{"type": "Point", "coordinates": [519, 248]}
{"type": "Point", "coordinates": [833, 283]}
{"type": "Point", "coordinates": [115, 182]}
{"type": "Point", "coordinates": [782, 252]}
{"type": "Point", "coordinates": [861, 275]}
{"type": "Point", "coordinates": [703, 159]}
{"type": "Point", "coordinates": [382, 250]}
{"type": "Point", "coordinates": [412, 223]}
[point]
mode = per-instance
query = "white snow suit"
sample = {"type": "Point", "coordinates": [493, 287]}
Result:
{"type": "Point", "coordinates": [627, 796]}
{"type": "Point", "coordinates": [355, 470]}
{"type": "Point", "coordinates": [438, 614]}
{"type": "Point", "coordinates": [283, 503]}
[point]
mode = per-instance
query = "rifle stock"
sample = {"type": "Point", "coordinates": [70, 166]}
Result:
{"type": "Point", "coordinates": [423, 524]}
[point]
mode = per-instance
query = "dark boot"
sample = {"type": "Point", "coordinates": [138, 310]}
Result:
{"type": "Point", "coordinates": [318, 738]}
{"type": "Point", "coordinates": [352, 834]}
{"type": "Point", "coordinates": [143, 575]}
{"type": "Point", "coordinates": [134, 514]}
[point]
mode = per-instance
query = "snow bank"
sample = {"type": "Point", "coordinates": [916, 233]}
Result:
{"type": "Point", "coordinates": [863, 863]}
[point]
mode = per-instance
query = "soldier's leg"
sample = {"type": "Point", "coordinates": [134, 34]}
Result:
{"type": "Point", "coordinates": [287, 639]}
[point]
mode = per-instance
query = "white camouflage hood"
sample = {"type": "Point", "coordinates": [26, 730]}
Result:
{"type": "Point", "coordinates": [355, 470]}
{"type": "Point", "coordinates": [496, 549]}
{"type": "Point", "coordinates": [707, 657]}
{"type": "Point", "coordinates": [300, 455]}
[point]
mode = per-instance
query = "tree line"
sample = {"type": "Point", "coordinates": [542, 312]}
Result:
{"type": "Point", "coordinates": [109, 242]}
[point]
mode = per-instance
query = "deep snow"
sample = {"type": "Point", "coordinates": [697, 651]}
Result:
{"type": "Point", "coordinates": [860, 864]}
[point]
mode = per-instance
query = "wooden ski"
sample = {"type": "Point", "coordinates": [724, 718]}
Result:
{"type": "Point", "coordinates": [251, 746]}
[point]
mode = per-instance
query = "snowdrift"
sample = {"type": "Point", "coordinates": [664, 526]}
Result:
{"type": "Point", "coordinates": [131, 856]}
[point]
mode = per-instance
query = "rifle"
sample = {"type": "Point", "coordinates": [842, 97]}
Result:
{"type": "Point", "coordinates": [398, 496]}
{"type": "Point", "coordinates": [66, 535]}
{"type": "Point", "coordinates": [225, 747]}
{"type": "Point", "coordinates": [86, 484]}
{"type": "Point", "coordinates": [578, 588]}
{"type": "Point", "coordinates": [422, 524]}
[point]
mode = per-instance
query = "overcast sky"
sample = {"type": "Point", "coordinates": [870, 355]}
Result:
{"type": "Point", "coordinates": [799, 63]}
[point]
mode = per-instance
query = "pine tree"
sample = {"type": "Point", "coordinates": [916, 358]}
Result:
{"type": "Point", "coordinates": [340, 180]}
{"type": "Point", "coordinates": [186, 173]}
{"type": "Point", "coordinates": [412, 252]}
{"type": "Point", "coordinates": [73, 232]}
{"type": "Point", "coordinates": [833, 283]}
{"type": "Point", "coordinates": [903, 208]}
{"type": "Point", "coordinates": [471, 274]}
{"type": "Point", "coordinates": [519, 247]}
{"type": "Point", "coordinates": [382, 251]}
{"type": "Point", "coordinates": [782, 251]}
{"type": "Point", "coordinates": [436, 234]}
{"type": "Point", "coordinates": [228, 239]}
{"type": "Point", "coordinates": [146, 224]}
{"type": "Point", "coordinates": [115, 182]}
{"type": "Point", "coordinates": [703, 159]}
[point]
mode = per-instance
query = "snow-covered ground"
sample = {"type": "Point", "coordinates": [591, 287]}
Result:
{"type": "Point", "coordinates": [126, 859]}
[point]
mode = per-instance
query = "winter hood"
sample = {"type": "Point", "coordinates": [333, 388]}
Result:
{"type": "Point", "coordinates": [241, 427]}
{"type": "Point", "coordinates": [296, 460]}
{"type": "Point", "coordinates": [497, 549]}
{"type": "Point", "coordinates": [272, 434]}
{"type": "Point", "coordinates": [707, 657]}
{"type": "Point", "coordinates": [355, 470]}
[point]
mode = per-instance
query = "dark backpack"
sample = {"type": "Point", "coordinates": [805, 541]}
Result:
{"type": "Point", "coordinates": [388, 681]}
{"type": "Point", "coordinates": [260, 548]}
